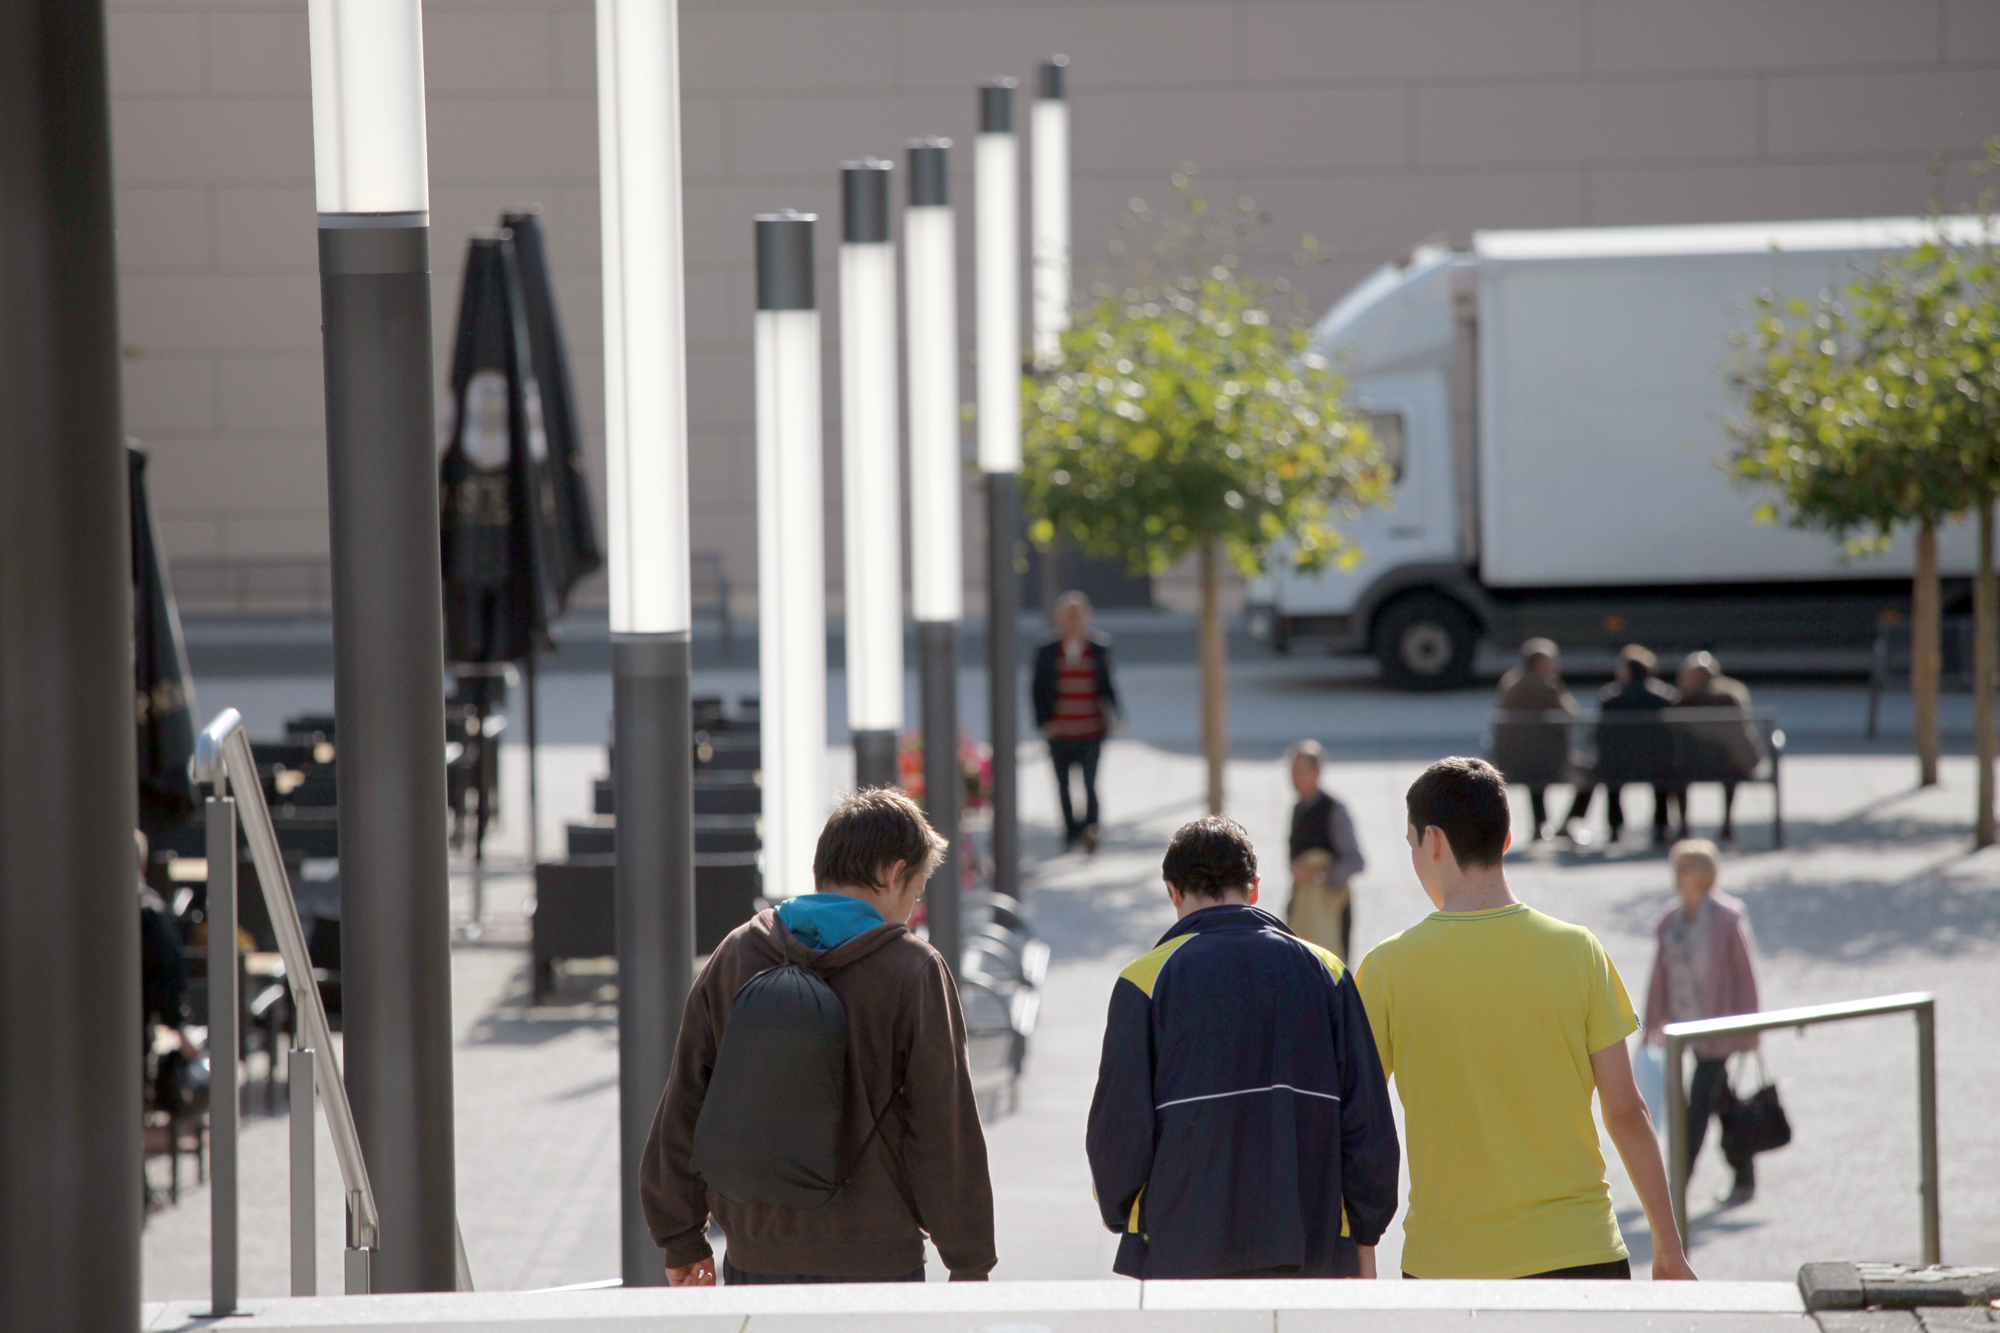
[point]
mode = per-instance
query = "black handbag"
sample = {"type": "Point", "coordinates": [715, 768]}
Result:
{"type": "Point", "coordinates": [1753, 1124]}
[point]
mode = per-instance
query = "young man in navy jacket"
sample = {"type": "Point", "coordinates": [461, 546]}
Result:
{"type": "Point", "coordinates": [1242, 1124]}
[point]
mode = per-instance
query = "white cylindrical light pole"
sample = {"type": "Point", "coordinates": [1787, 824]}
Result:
{"type": "Point", "coordinates": [382, 499]}
{"type": "Point", "coordinates": [997, 264]}
{"type": "Point", "coordinates": [871, 472]}
{"type": "Point", "coordinates": [645, 448]}
{"type": "Point", "coordinates": [1050, 212]}
{"type": "Point", "coordinates": [791, 555]}
{"type": "Point", "coordinates": [937, 591]}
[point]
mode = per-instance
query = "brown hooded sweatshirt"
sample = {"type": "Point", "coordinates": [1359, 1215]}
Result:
{"type": "Point", "coordinates": [906, 1051]}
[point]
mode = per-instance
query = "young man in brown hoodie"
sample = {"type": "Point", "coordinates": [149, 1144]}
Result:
{"type": "Point", "coordinates": [924, 1169]}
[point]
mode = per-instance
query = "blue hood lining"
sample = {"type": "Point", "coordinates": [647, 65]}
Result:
{"type": "Point", "coordinates": [827, 920]}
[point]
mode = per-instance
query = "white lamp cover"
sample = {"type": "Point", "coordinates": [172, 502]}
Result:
{"type": "Point", "coordinates": [368, 106]}
{"type": "Point", "coordinates": [872, 488]}
{"type": "Point", "coordinates": [791, 596]}
{"type": "Point", "coordinates": [1049, 217]}
{"type": "Point", "coordinates": [937, 590]}
{"type": "Point", "coordinates": [645, 356]}
{"type": "Point", "coordinates": [997, 201]}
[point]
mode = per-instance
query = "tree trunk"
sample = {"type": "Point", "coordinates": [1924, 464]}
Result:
{"type": "Point", "coordinates": [1926, 634]}
{"type": "Point", "coordinates": [1984, 605]}
{"type": "Point", "coordinates": [1214, 674]}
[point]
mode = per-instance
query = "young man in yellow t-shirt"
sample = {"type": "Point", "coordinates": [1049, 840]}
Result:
{"type": "Point", "coordinates": [1497, 1023]}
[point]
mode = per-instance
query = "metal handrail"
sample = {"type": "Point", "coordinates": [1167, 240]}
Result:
{"type": "Point", "coordinates": [222, 754]}
{"type": "Point", "coordinates": [1921, 1003]}
{"type": "Point", "coordinates": [222, 757]}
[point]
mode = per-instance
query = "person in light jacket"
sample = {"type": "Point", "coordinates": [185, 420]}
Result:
{"type": "Point", "coordinates": [1705, 968]}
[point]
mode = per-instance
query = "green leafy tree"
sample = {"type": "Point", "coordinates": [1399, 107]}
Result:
{"type": "Point", "coordinates": [1881, 410]}
{"type": "Point", "coordinates": [1954, 371]}
{"type": "Point", "coordinates": [1190, 415]}
{"type": "Point", "coordinates": [1826, 428]}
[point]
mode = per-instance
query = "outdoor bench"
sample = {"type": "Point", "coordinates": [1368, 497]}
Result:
{"type": "Point", "coordinates": [1666, 747]}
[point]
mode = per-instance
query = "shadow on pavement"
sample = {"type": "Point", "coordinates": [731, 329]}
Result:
{"type": "Point", "coordinates": [1109, 906]}
{"type": "Point", "coordinates": [585, 1001]}
{"type": "Point", "coordinates": [1715, 1224]}
{"type": "Point", "coordinates": [1943, 915]}
{"type": "Point", "coordinates": [1939, 914]}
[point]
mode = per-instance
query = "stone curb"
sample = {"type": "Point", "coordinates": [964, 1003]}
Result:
{"type": "Point", "coordinates": [1859, 1286]}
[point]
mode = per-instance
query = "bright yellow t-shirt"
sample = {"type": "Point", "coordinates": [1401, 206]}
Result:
{"type": "Point", "coordinates": [1487, 1021]}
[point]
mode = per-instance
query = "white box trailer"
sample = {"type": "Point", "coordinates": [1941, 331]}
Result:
{"type": "Point", "coordinates": [1555, 406]}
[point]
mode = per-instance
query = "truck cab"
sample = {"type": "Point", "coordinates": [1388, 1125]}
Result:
{"type": "Point", "coordinates": [1401, 339]}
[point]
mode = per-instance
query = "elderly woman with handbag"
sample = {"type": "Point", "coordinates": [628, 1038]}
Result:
{"type": "Point", "coordinates": [1705, 968]}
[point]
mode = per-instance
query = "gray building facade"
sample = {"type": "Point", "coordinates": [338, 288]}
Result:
{"type": "Point", "coordinates": [1369, 124]}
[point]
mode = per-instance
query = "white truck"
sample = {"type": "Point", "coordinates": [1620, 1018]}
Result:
{"type": "Point", "coordinates": [1554, 404]}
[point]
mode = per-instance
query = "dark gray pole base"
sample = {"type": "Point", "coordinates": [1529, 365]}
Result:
{"type": "Point", "coordinates": [69, 945]}
{"type": "Point", "coordinates": [224, 1005]}
{"type": "Point", "coordinates": [944, 792]}
{"type": "Point", "coordinates": [875, 760]}
{"type": "Point", "coordinates": [1003, 607]}
{"type": "Point", "coordinates": [653, 780]}
{"type": "Point", "coordinates": [388, 641]}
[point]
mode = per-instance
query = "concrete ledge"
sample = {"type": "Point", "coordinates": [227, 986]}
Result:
{"type": "Point", "coordinates": [1032, 1307]}
{"type": "Point", "coordinates": [1648, 1297]}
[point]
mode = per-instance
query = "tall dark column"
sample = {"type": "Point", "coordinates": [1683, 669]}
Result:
{"type": "Point", "coordinates": [944, 794]}
{"type": "Point", "coordinates": [645, 501]}
{"type": "Point", "coordinates": [654, 884]}
{"type": "Point", "coordinates": [872, 491]}
{"type": "Point", "coordinates": [997, 206]}
{"type": "Point", "coordinates": [937, 497]}
{"type": "Point", "coordinates": [1003, 618]}
{"type": "Point", "coordinates": [69, 924]}
{"type": "Point", "coordinates": [388, 689]}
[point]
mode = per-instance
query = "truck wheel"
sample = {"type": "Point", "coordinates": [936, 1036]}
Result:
{"type": "Point", "coordinates": [1425, 642]}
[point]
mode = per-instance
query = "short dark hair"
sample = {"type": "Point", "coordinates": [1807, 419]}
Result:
{"type": "Point", "coordinates": [1467, 800]}
{"type": "Point", "coordinates": [1209, 857]}
{"type": "Point", "coordinates": [869, 832]}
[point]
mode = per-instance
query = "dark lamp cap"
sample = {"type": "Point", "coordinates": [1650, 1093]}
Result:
{"type": "Point", "coordinates": [930, 172]}
{"type": "Point", "coordinates": [785, 260]}
{"type": "Point", "coordinates": [996, 106]}
{"type": "Point", "coordinates": [1052, 78]}
{"type": "Point", "coordinates": [864, 200]}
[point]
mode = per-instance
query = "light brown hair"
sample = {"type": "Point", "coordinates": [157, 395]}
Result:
{"type": "Point", "coordinates": [869, 832]}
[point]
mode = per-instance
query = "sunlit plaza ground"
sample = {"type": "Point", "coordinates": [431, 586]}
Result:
{"type": "Point", "coordinates": [1875, 892]}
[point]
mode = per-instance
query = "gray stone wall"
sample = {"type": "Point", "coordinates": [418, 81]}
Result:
{"type": "Point", "coordinates": [1370, 124]}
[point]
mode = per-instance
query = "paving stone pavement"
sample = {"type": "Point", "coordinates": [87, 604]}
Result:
{"type": "Point", "coordinates": [1876, 892]}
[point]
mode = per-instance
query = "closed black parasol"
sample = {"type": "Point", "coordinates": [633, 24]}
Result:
{"type": "Point", "coordinates": [497, 588]}
{"type": "Point", "coordinates": [571, 551]}
{"type": "Point", "coordinates": [163, 686]}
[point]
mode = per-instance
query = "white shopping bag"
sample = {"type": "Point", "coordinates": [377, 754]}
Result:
{"type": "Point", "coordinates": [1649, 1071]}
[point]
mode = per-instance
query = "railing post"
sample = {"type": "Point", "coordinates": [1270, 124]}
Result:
{"type": "Point", "coordinates": [1777, 787]}
{"type": "Point", "coordinates": [1927, 1139]}
{"type": "Point", "coordinates": [360, 1262]}
{"type": "Point", "coordinates": [303, 1088]}
{"type": "Point", "coordinates": [1677, 1138]}
{"type": "Point", "coordinates": [223, 1009]}
{"type": "Point", "coordinates": [1878, 676]}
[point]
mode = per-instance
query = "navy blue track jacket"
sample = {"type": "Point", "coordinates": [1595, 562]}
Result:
{"type": "Point", "coordinates": [1242, 1121]}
